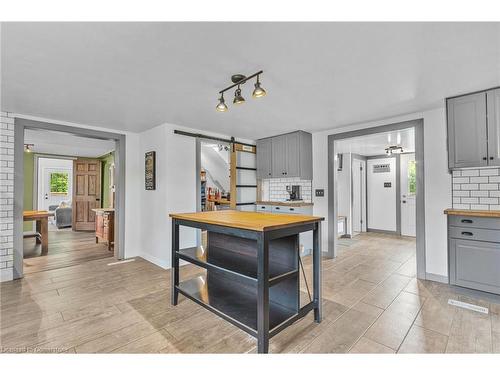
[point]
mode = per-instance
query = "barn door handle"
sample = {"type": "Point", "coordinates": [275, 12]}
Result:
{"type": "Point", "coordinates": [98, 199]}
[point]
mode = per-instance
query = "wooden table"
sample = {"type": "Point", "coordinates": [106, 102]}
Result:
{"type": "Point", "coordinates": [253, 269]}
{"type": "Point", "coordinates": [42, 226]}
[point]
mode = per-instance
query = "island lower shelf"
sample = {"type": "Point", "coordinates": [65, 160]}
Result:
{"type": "Point", "coordinates": [237, 304]}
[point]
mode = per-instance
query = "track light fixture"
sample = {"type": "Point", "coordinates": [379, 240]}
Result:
{"type": "Point", "coordinates": [221, 107]}
{"type": "Point", "coordinates": [238, 99]}
{"type": "Point", "coordinates": [394, 150]}
{"type": "Point", "coordinates": [258, 92]}
{"type": "Point", "coordinates": [238, 80]}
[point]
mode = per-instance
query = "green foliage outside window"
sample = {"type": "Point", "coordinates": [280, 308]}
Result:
{"type": "Point", "coordinates": [59, 183]}
{"type": "Point", "coordinates": [412, 177]}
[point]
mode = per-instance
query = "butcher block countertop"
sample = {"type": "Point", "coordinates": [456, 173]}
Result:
{"type": "Point", "coordinates": [285, 203]}
{"type": "Point", "coordinates": [476, 213]}
{"type": "Point", "coordinates": [256, 221]}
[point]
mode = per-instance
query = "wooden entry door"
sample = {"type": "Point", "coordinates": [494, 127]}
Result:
{"type": "Point", "coordinates": [86, 193]}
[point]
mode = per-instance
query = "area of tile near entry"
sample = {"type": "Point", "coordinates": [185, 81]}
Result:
{"type": "Point", "coordinates": [372, 304]}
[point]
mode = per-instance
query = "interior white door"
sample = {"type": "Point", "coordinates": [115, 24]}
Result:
{"type": "Point", "coordinates": [408, 194]}
{"type": "Point", "coordinates": [358, 196]}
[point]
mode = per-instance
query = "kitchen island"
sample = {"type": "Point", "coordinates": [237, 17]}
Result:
{"type": "Point", "coordinates": [252, 264]}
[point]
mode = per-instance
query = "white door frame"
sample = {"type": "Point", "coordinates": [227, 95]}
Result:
{"type": "Point", "coordinates": [37, 158]}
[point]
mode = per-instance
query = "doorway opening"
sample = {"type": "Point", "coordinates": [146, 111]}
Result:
{"type": "Point", "coordinates": [378, 188]}
{"type": "Point", "coordinates": [69, 190]}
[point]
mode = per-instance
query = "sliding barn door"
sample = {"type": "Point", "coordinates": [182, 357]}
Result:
{"type": "Point", "coordinates": [86, 193]}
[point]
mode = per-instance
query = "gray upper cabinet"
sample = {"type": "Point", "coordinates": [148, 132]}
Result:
{"type": "Point", "coordinates": [287, 155]}
{"type": "Point", "coordinates": [493, 105]}
{"type": "Point", "coordinates": [279, 156]}
{"type": "Point", "coordinates": [467, 135]}
{"type": "Point", "coordinates": [264, 158]}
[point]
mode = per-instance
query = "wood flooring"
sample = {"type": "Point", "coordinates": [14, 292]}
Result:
{"type": "Point", "coordinates": [372, 304]}
{"type": "Point", "coordinates": [66, 248]}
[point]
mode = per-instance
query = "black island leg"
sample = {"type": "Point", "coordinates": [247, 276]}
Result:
{"type": "Point", "coordinates": [317, 272]}
{"type": "Point", "coordinates": [263, 293]}
{"type": "Point", "coordinates": [175, 263]}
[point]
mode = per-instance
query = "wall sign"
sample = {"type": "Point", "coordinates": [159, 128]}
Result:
{"type": "Point", "coordinates": [381, 168]}
{"type": "Point", "coordinates": [150, 170]}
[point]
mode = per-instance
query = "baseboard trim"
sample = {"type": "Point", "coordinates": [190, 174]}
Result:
{"type": "Point", "coordinates": [383, 231]}
{"type": "Point", "coordinates": [438, 278]}
{"type": "Point", "coordinates": [159, 262]}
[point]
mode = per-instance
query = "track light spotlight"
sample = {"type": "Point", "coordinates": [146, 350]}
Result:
{"type": "Point", "coordinates": [221, 107]}
{"type": "Point", "coordinates": [258, 92]}
{"type": "Point", "coordinates": [238, 99]}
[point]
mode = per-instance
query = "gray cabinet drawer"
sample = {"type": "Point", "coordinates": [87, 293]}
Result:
{"type": "Point", "coordinates": [476, 234]}
{"type": "Point", "coordinates": [475, 264]}
{"type": "Point", "coordinates": [264, 208]}
{"type": "Point", "coordinates": [304, 210]}
{"type": "Point", "coordinates": [474, 222]}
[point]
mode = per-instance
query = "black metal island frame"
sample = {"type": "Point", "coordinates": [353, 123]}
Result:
{"type": "Point", "coordinates": [252, 274]}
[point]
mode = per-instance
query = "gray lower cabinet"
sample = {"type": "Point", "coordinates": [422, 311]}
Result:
{"type": "Point", "coordinates": [474, 253]}
{"type": "Point", "coordinates": [287, 155]}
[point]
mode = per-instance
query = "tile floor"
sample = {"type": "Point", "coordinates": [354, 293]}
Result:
{"type": "Point", "coordinates": [372, 304]}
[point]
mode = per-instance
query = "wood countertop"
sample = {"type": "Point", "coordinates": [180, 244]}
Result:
{"type": "Point", "coordinates": [476, 213]}
{"type": "Point", "coordinates": [256, 221]}
{"type": "Point", "coordinates": [32, 215]}
{"type": "Point", "coordinates": [286, 203]}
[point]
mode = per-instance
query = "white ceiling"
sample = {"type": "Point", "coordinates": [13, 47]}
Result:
{"type": "Point", "coordinates": [134, 76]}
{"type": "Point", "coordinates": [375, 144]}
{"type": "Point", "coordinates": [59, 143]}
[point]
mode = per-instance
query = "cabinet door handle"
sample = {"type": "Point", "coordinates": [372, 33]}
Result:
{"type": "Point", "coordinates": [277, 208]}
{"type": "Point", "coordinates": [291, 209]}
{"type": "Point", "coordinates": [485, 158]}
{"type": "Point", "coordinates": [467, 221]}
{"type": "Point", "coordinates": [469, 234]}
{"type": "Point", "coordinates": [491, 157]}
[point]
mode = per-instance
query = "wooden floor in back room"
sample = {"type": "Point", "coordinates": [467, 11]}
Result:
{"type": "Point", "coordinates": [66, 248]}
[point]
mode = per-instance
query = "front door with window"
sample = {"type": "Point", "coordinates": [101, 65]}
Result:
{"type": "Point", "coordinates": [408, 194]}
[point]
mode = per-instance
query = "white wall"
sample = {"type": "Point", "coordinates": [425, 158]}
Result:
{"type": "Point", "coordinates": [216, 163]}
{"type": "Point", "coordinates": [344, 186]}
{"type": "Point", "coordinates": [437, 181]}
{"type": "Point", "coordinates": [381, 200]}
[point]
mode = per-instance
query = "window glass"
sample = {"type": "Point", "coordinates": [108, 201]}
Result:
{"type": "Point", "coordinates": [59, 183]}
{"type": "Point", "coordinates": [412, 177]}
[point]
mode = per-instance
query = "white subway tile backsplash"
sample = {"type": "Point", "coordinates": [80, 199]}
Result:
{"type": "Point", "coordinates": [488, 186]}
{"type": "Point", "coordinates": [470, 172]}
{"type": "Point", "coordinates": [479, 207]}
{"type": "Point", "coordinates": [488, 200]}
{"type": "Point", "coordinates": [469, 186]}
{"type": "Point", "coordinates": [277, 188]}
{"type": "Point", "coordinates": [476, 189]}
{"type": "Point", "coordinates": [465, 180]}
{"type": "Point", "coordinates": [474, 193]}
{"type": "Point", "coordinates": [469, 200]}
{"type": "Point", "coordinates": [482, 180]}
{"type": "Point", "coordinates": [488, 172]}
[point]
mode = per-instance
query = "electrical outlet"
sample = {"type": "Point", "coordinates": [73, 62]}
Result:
{"type": "Point", "coordinates": [319, 192]}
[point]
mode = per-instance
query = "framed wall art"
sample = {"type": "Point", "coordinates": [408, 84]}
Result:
{"type": "Point", "coordinates": [150, 170]}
